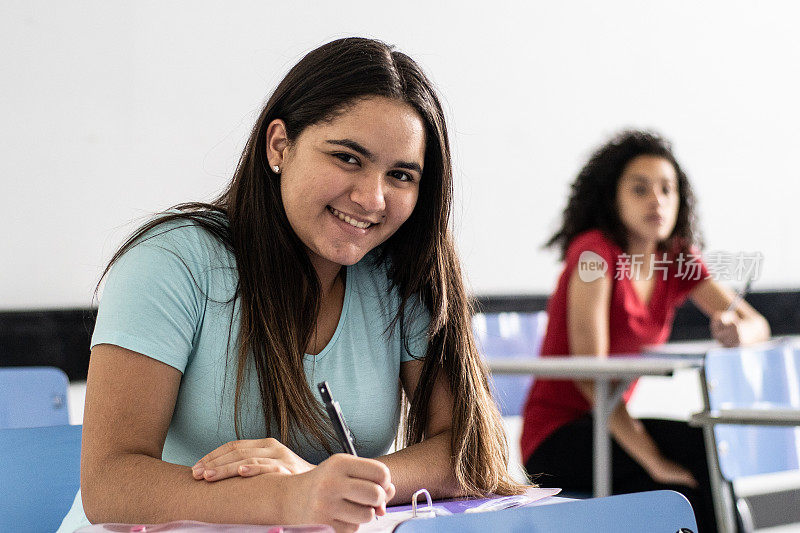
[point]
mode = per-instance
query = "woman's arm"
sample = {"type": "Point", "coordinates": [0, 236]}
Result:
{"type": "Point", "coordinates": [744, 325]}
{"type": "Point", "coordinates": [588, 330]}
{"type": "Point", "coordinates": [427, 464]}
{"type": "Point", "coordinates": [129, 403]}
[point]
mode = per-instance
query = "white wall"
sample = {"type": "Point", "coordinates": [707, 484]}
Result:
{"type": "Point", "coordinates": [112, 110]}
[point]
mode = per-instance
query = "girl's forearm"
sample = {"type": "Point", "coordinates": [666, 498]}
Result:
{"type": "Point", "coordinates": [626, 431]}
{"type": "Point", "coordinates": [427, 465]}
{"type": "Point", "coordinates": [632, 437]}
{"type": "Point", "coordinates": [136, 488]}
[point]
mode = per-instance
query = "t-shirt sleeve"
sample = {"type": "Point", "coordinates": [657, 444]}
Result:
{"type": "Point", "coordinates": [152, 301]}
{"type": "Point", "coordinates": [593, 253]}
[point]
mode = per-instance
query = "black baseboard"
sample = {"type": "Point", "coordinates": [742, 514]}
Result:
{"type": "Point", "coordinates": [50, 337]}
{"type": "Point", "coordinates": [61, 337]}
{"type": "Point", "coordinates": [780, 308]}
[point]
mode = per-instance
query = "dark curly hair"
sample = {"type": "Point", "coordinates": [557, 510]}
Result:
{"type": "Point", "coordinates": [592, 202]}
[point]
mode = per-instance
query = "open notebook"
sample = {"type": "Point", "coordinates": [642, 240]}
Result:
{"type": "Point", "coordinates": [398, 515]}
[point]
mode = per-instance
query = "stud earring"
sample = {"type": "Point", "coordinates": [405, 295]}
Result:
{"type": "Point", "coordinates": [276, 169]}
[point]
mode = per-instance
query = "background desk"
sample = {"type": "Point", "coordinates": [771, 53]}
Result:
{"type": "Point", "coordinates": [611, 377]}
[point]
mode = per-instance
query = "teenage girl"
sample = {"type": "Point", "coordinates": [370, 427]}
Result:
{"type": "Point", "coordinates": [328, 257]}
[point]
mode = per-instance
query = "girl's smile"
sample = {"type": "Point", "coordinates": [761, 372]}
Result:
{"type": "Point", "coordinates": [352, 220]}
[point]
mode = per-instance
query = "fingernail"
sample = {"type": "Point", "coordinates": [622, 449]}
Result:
{"type": "Point", "coordinates": [210, 473]}
{"type": "Point", "coordinates": [197, 470]}
{"type": "Point", "coordinates": [244, 469]}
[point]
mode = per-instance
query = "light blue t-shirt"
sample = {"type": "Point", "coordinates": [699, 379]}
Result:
{"type": "Point", "coordinates": [169, 298]}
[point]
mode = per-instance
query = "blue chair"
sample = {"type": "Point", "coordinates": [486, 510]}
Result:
{"type": "Point", "coordinates": [502, 335]}
{"type": "Point", "coordinates": [751, 397]}
{"type": "Point", "coordinates": [39, 477]}
{"type": "Point", "coordinates": [33, 396]}
{"type": "Point", "coordinates": [642, 512]}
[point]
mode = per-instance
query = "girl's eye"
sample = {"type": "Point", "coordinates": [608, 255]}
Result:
{"type": "Point", "coordinates": [640, 190]}
{"type": "Point", "coordinates": [347, 158]}
{"type": "Point", "coordinates": [668, 189]}
{"type": "Point", "coordinates": [402, 176]}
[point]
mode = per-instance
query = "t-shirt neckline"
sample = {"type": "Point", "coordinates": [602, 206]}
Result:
{"type": "Point", "coordinates": [348, 289]}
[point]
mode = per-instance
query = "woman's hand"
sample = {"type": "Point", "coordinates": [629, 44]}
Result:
{"type": "Point", "coordinates": [249, 458]}
{"type": "Point", "coordinates": [671, 473]}
{"type": "Point", "coordinates": [726, 328]}
{"type": "Point", "coordinates": [343, 491]}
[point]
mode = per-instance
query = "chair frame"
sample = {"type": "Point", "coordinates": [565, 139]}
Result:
{"type": "Point", "coordinates": [726, 506]}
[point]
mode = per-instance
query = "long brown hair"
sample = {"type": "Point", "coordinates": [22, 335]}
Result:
{"type": "Point", "coordinates": [277, 317]}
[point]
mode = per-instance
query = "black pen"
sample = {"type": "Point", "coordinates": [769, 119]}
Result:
{"type": "Point", "coordinates": [337, 419]}
{"type": "Point", "coordinates": [740, 295]}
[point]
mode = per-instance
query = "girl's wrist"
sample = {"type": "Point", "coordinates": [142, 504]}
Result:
{"type": "Point", "coordinates": [280, 509]}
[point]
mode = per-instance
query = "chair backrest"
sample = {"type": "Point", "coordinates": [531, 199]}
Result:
{"type": "Point", "coordinates": [33, 396]}
{"type": "Point", "coordinates": [39, 478]}
{"type": "Point", "coordinates": [642, 512]}
{"type": "Point", "coordinates": [510, 335]}
{"type": "Point", "coordinates": [755, 378]}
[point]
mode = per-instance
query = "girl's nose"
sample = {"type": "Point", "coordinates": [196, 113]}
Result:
{"type": "Point", "coordinates": [368, 193]}
{"type": "Point", "coordinates": [657, 197]}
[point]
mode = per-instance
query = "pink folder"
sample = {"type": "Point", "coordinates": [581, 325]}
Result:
{"type": "Point", "coordinates": [190, 526]}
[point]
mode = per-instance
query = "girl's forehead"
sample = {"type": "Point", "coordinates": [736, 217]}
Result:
{"type": "Point", "coordinates": [379, 126]}
{"type": "Point", "coordinates": [649, 168]}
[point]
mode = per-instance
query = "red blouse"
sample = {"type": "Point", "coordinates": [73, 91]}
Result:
{"type": "Point", "coordinates": [632, 324]}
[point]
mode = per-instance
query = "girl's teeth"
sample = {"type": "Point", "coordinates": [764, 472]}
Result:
{"type": "Point", "coordinates": [351, 221]}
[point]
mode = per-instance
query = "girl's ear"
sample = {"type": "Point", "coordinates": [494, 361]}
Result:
{"type": "Point", "coordinates": [277, 143]}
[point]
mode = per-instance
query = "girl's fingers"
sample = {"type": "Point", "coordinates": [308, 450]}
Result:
{"type": "Point", "coordinates": [362, 468]}
{"type": "Point", "coordinates": [254, 466]}
{"type": "Point", "coordinates": [256, 469]}
{"type": "Point", "coordinates": [352, 513]}
{"type": "Point", "coordinates": [234, 445]}
{"type": "Point", "coordinates": [363, 492]}
{"type": "Point", "coordinates": [221, 450]}
{"type": "Point", "coordinates": [238, 455]}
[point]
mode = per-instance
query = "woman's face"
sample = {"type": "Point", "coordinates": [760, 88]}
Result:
{"type": "Point", "coordinates": [350, 183]}
{"type": "Point", "coordinates": [648, 199]}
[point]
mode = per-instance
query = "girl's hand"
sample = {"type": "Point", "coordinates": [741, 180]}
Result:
{"type": "Point", "coordinates": [343, 491]}
{"type": "Point", "coordinates": [249, 458]}
{"type": "Point", "coordinates": [725, 327]}
{"type": "Point", "coordinates": [671, 473]}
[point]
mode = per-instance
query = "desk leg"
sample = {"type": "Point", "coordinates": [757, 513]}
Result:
{"type": "Point", "coordinates": [602, 440]}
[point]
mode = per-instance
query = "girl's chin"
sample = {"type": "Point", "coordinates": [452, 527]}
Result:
{"type": "Point", "coordinates": [651, 238]}
{"type": "Point", "coordinates": [349, 258]}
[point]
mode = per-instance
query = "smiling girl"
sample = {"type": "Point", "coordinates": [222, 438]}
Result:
{"type": "Point", "coordinates": [631, 208]}
{"type": "Point", "coordinates": [328, 257]}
